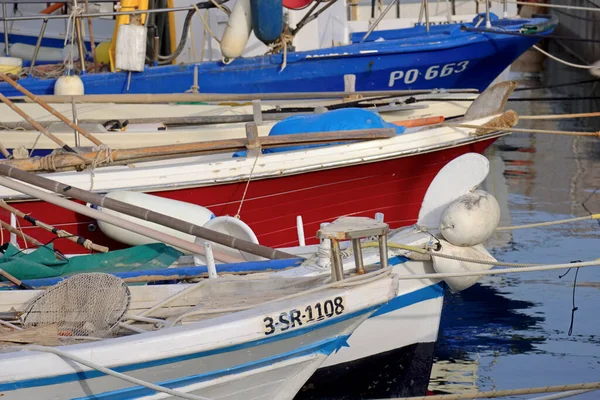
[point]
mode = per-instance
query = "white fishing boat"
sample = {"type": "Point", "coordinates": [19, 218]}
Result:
{"type": "Point", "coordinates": [123, 126]}
{"type": "Point", "coordinates": [246, 354]}
{"type": "Point", "coordinates": [401, 334]}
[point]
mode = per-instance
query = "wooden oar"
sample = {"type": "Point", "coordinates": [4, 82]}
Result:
{"type": "Point", "coordinates": [57, 162]}
{"type": "Point", "coordinates": [413, 123]}
{"type": "Point", "coordinates": [133, 211]}
{"type": "Point", "coordinates": [31, 240]}
{"type": "Point", "coordinates": [51, 110]}
{"type": "Point", "coordinates": [204, 97]}
{"type": "Point", "coordinates": [35, 124]}
{"type": "Point", "coordinates": [14, 280]}
{"type": "Point", "coordinates": [58, 232]}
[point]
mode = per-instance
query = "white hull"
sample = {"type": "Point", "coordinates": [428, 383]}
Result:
{"type": "Point", "coordinates": [140, 135]}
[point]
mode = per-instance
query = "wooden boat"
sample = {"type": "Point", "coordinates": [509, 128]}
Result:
{"type": "Point", "coordinates": [163, 124]}
{"type": "Point", "coordinates": [389, 175]}
{"type": "Point", "coordinates": [400, 335]}
{"type": "Point", "coordinates": [238, 355]}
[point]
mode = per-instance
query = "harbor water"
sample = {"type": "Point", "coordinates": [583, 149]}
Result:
{"type": "Point", "coordinates": [541, 328]}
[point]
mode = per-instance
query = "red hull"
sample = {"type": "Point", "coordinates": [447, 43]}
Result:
{"type": "Point", "coordinates": [394, 187]}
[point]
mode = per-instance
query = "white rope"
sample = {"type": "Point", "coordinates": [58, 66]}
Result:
{"type": "Point", "coordinates": [549, 223]}
{"type": "Point", "coordinates": [70, 32]}
{"type": "Point", "coordinates": [115, 374]}
{"type": "Point", "coordinates": [525, 3]}
{"type": "Point", "coordinates": [237, 215]}
{"type": "Point", "coordinates": [507, 392]}
{"type": "Point", "coordinates": [580, 66]}
{"type": "Point", "coordinates": [502, 271]}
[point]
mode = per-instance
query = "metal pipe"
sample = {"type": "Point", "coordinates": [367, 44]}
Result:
{"type": "Point", "coordinates": [38, 45]}
{"type": "Point", "coordinates": [488, 24]}
{"type": "Point", "coordinates": [96, 15]}
{"type": "Point", "coordinates": [426, 8]}
{"type": "Point", "coordinates": [6, 44]}
{"type": "Point", "coordinates": [80, 40]}
{"type": "Point", "coordinates": [383, 251]}
{"type": "Point", "coordinates": [337, 269]}
{"type": "Point", "coordinates": [111, 219]}
{"type": "Point", "coordinates": [378, 20]}
{"type": "Point", "coordinates": [505, 8]}
{"type": "Point", "coordinates": [358, 260]}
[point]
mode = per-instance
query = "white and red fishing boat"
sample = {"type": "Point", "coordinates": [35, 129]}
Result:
{"type": "Point", "coordinates": [269, 191]}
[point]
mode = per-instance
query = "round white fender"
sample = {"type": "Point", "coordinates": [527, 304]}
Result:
{"type": "Point", "coordinates": [445, 265]}
{"type": "Point", "coordinates": [470, 219]}
{"type": "Point", "coordinates": [458, 177]}
{"type": "Point", "coordinates": [192, 213]}
{"type": "Point", "coordinates": [69, 85]}
{"type": "Point", "coordinates": [233, 227]}
{"type": "Point", "coordinates": [237, 31]}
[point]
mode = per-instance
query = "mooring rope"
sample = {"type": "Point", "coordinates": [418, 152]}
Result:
{"type": "Point", "coordinates": [524, 130]}
{"type": "Point", "coordinates": [107, 371]}
{"type": "Point", "coordinates": [561, 116]}
{"type": "Point", "coordinates": [549, 223]}
{"type": "Point", "coordinates": [508, 392]}
{"type": "Point", "coordinates": [525, 3]}
{"type": "Point", "coordinates": [560, 60]}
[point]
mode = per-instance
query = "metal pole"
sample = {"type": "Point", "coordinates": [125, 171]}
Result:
{"type": "Point", "coordinates": [337, 266]}
{"type": "Point", "coordinates": [487, 14]}
{"type": "Point", "coordinates": [426, 8]}
{"type": "Point", "coordinates": [358, 260]}
{"type": "Point", "coordinates": [505, 8]}
{"type": "Point", "coordinates": [378, 20]}
{"type": "Point", "coordinates": [80, 40]}
{"type": "Point", "coordinates": [38, 44]}
{"type": "Point", "coordinates": [383, 251]}
{"type": "Point", "coordinates": [6, 44]}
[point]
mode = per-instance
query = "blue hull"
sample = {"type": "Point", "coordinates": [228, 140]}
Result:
{"type": "Point", "coordinates": [446, 58]}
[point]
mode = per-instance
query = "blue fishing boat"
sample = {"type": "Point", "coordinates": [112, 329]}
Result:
{"type": "Point", "coordinates": [446, 56]}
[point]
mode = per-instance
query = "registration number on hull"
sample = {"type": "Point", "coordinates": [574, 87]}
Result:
{"type": "Point", "coordinates": [408, 77]}
{"type": "Point", "coordinates": [296, 318]}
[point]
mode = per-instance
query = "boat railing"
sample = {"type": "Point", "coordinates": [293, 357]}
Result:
{"type": "Point", "coordinates": [354, 229]}
{"type": "Point", "coordinates": [77, 18]}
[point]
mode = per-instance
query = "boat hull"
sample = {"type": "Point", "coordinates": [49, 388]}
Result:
{"type": "Point", "coordinates": [448, 58]}
{"type": "Point", "coordinates": [394, 187]}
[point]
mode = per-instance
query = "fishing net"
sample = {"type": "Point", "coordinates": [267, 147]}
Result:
{"type": "Point", "coordinates": [84, 305]}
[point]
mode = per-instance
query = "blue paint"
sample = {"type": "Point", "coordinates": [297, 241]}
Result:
{"type": "Point", "coordinates": [448, 56]}
{"type": "Point", "coordinates": [330, 121]}
{"type": "Point", "coordinates": [182, 272]}
{"type": "Point", "coordinates": [426, 293]}
{"type": "Point", "coordinates": [54, 380]}
{"type": "Point", "coordinates": [267, 19]}
{"type": "Point", "coordinates": [324, 347]}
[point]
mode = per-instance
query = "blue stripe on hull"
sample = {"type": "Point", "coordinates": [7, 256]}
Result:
{"type": "Point", "coordinates": [427, 293]}
{"type": "Point", "coordinates": [325, 347]}
{"type": "Point", "coordinates": [54, 380]}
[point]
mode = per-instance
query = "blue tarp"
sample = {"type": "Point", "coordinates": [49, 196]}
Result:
{"type": "Point", "coordinates": [346, 119]}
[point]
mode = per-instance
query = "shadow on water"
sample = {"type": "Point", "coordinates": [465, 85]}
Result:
{"type": "Point", "coordinates": [512, 331]}
{"type": "Point", "coordinates": [482, 319]}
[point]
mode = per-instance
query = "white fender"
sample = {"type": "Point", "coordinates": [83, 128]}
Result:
{"type": "Point", "coordinates": [458, 177]}
{"type": "Point", "coordinates": [191, 213]}
{"type": "Point", "coordinates": [445, 265]}
{"type": "Point", "coordinates": [69, 85]}
{"type": "Point", "coordinates": [471, 219]}
{"type": "Point", "coordinates": [233, 227]}
{"type": "Point", "coordinates": [237, 32]}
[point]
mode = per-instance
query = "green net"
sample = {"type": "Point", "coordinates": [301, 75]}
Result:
{"type": "Point", "coordinates": [44, 263]}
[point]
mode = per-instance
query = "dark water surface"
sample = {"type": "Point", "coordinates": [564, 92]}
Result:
{"type": "Point", "coordinates": [512, 331]}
